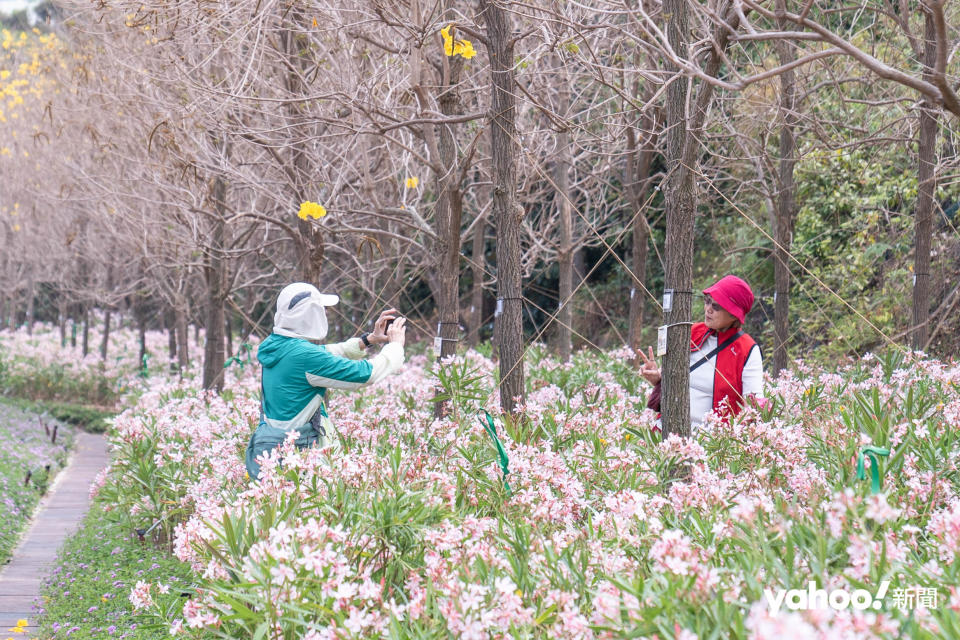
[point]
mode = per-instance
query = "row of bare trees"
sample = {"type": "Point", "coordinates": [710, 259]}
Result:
{"type": "Point", "coordinates": [491, 138]}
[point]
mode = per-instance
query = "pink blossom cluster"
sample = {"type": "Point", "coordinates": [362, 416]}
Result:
{"type": "Point", "coordinates": [604, 527]}
{"type": "Point", "coordinates": [24, 353]}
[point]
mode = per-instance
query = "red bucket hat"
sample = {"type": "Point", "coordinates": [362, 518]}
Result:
{"type": "Point", "coordinates": [733, 294]}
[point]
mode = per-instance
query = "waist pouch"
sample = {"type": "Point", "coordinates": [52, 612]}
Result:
{"type": "Point", "coordinates": [318, 432]}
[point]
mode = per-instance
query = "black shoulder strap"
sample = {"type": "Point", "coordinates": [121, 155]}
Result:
{"type": "Point", "coordinates": [720, 347]}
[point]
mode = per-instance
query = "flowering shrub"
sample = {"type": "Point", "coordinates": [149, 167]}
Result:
{"type": "Point", "coordinates": [38, 367]}
{"type": "Point", "coordinates": [408, 529]}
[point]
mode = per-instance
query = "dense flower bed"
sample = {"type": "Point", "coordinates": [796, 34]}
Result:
{"type": "Point", "coordinates": [29, 460]}
{"type": "Point", "coordinates": [37, 366]}
{"type": "Point", "coordinates": [408, 529]}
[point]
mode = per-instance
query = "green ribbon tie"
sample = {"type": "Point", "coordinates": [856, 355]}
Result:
{"type": "Point", "coordinates": [246, 346]}
{"type": "Point", "coordinates": [873, 452]}
{"type": "Point", "coordinates": [489, 427]}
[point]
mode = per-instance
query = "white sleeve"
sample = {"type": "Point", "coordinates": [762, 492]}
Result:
{"type": "Point", "coordinates": [753, 374]}
{"type": "Point", "coordinates": [348, 349]}
{"type": "Point", "coordinates": [389, 360]}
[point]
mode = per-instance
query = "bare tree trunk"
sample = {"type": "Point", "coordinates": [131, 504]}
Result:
{"type": "Point", "coordinates": [105, 338]}
{"type": "Point", "coordinates": [564, 333]}
{"type": "Point", "coordinates": [183, 339]}
{"type": "Point", "coordinates": [926, 187]}
{"type": "Point", "coordinates": [449, 213]}
{"type": "Point", "coordinates": [141, 316]}
{"type": "Point", "coordinates": [170, 321]}
{"type": "Point", "coordinates": [309, 242]}
{"type": "Point", "coordinates": [786, 203]}
{"type": "Point", "coordinates": [228, 332]}
{"type": "Point", "coordinates": [215, 274]}
{"type": "Point", "coordinates": [246, 327]}
{"type": "Point", "coordinates": [31, 304]}
{"type": "Point", "coordinates": [213, 356]}
{"type": "Point", "coordinates": [476, 294]}
{"type": "Point", "coordinates": [73, 325]}
{"type": "Point", "coordinates": [679, 200]}
{"type": "Point", "coordinates": [61, 318]}
{"type": "Point", "coordinates": [683, 149]}
{"type": "Point", "coordinates": [565, 253]}
{"type": "Point", "coordinates": [449, 275]}
{"type": "Point", "coordinates": [107, 316]}
{"type": "Point", "coordinates": [638, 178]}
{"type": "Point", "coordinates": [86, 329]}
{"type": "Point", "coordinates": [506, 212]}
{"type": "Point", "coordinates": [448, 207]}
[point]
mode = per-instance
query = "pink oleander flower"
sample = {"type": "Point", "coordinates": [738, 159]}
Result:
{"type": "Point", "coordinates": [763, 624]}
{"type": "Point", "coordinates": [674, 553]}
{"type": "Point", "coordinates": [879, 511]}
{"type": "Point", "coordinates": [140, 596]}
{"type": "Point", "coordinates": [945, 527]}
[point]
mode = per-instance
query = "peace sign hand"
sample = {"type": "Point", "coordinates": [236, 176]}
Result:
{"type": "Point", "coordinates": [649, 370]}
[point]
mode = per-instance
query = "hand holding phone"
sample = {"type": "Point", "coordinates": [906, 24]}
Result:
{"type": "Point", "coordinates": [379, 335]}
{"type": "Point", "coordinates": [398, 331]}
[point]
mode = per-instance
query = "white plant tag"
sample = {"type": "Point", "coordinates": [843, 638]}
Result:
{"type": "Point", "coordinates": [437, 345]}
{"type": "Point", "coordinates": [662, 340]}
{"type": "Point", "coordinates": [667, 300]}
{"type": "Point", "coordinates": [499, 310]}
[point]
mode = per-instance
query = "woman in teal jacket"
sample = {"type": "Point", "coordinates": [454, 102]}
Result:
{"type": "Point", "coordinates": [297, 373]}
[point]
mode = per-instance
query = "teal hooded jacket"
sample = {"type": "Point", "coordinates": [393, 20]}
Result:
{"type": "Point", "coordinates": [296, 376]}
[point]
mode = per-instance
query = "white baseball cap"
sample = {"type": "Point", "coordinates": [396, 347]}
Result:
{"type": "Point", "coordinates": [300, 311]}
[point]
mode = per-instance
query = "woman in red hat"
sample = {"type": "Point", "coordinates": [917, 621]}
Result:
{"type": "Point", "coordinates": [726, 366]}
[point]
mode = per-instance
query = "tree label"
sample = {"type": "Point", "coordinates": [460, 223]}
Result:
{"type": "Point", "coordinates": [662, 340]}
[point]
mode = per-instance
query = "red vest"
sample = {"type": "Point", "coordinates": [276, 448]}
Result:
{"type": "Point", "coordinates": [728, 379]}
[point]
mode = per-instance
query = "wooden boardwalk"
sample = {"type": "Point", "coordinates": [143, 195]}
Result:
{"type": "Point", "coordinates": [56, 518]}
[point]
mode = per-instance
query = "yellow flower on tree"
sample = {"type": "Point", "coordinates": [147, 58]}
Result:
{"type": "Point", "coordinates": [311, 210]}
{"type": "Point", "coordinates": [412, 182]}
{"type": "Point", "coordinates": [454, 48]}
{"type": "Point", "coordinates": [467, 50]}
{"type": "Point", "coordinates": [447, 40]}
